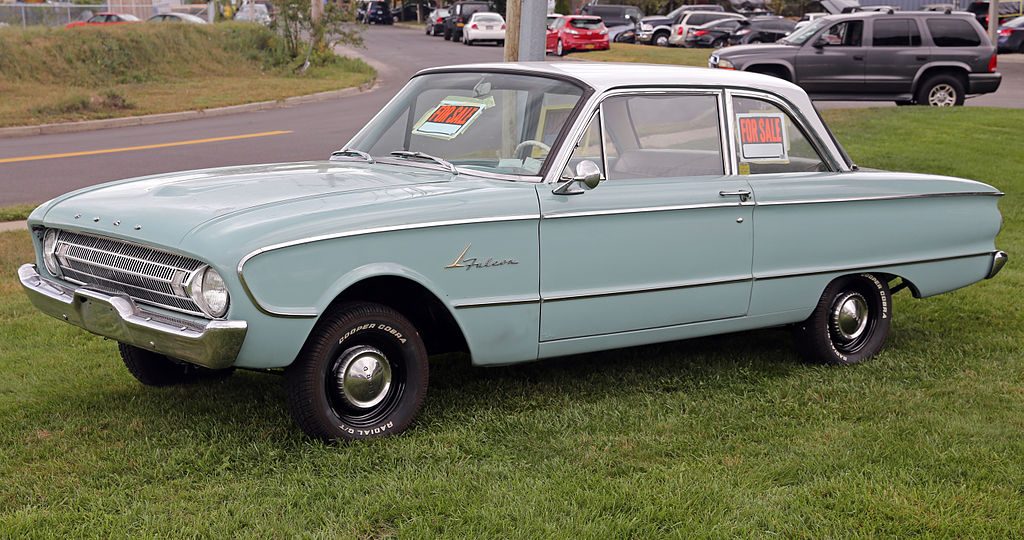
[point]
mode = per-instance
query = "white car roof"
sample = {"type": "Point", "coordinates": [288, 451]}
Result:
{"type": "Point", "coordinates": [603, 76]}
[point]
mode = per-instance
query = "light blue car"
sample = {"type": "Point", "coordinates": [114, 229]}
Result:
{"type": "Point", "coordinates": [517, 212]}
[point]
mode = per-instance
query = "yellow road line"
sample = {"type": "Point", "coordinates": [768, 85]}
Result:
{"type": "Point", "coordinates": [144, 147]}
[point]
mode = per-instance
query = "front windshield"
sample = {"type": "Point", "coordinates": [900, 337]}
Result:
{"type": "Point", "coordinates": [490, 122]}
{"type": "Point", "coordinates": [804, 33]}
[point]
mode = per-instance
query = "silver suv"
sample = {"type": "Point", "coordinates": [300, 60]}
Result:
{"type": "Point", "coordinates": [928, 58]}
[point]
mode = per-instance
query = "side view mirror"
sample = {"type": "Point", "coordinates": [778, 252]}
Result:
{"type": "Point", "coordinates": [588, 176]}
{"type": "Point", "coordinates": [819, 43]}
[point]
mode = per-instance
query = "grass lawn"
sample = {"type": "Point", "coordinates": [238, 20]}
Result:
{"type": "Point", "coordinates": [723, 436]}
{"type": "Point", "coordinates": [16, 212]}
{"type": "Point", "coordinates": [646, 54]}
{"type": "Point", "coordinates": [57, 75]}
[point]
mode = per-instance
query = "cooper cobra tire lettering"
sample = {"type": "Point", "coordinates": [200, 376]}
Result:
{"type": "Point", "coordinates": [861, 300]}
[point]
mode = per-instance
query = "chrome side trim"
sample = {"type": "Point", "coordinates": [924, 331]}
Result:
{"type": "Point", "coordinates": [640, 210]}
{"type": "Point", "coordinates": [885, 198]}
{"type": "Point", "coordinates": [656, 288]}
{"type": "Point", "coordinates": [357, 232]}
{"type": "Point", "coordinates": [860, 268]}
{"type": "Point", "coordinates": [213, 344]}
{"type": "Point", "coordinates": [999, 259]}
{"type": "Point", "coordinates": [498, 301]}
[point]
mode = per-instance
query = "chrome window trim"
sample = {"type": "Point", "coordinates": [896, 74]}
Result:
{"type": "Point", "coordinates": [240, 270]}
{"type": "Point", "coordinates": [685, 284]}
{"type": "Point", "coordinates": [533, 179]}
{"type": "Point", "coordinates": [798, 118]}
{"type": "Point", "coordinates": [561, 159]}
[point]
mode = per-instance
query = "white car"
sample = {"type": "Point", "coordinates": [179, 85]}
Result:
{"type": "Point", "coordinates": [256, 13]}
{"type": "Point", "coordinates": [484, 26]}
{"type": "Point", "coordinates": [694, 19]}
{"type": "Point", "coordinates": [809, 17]}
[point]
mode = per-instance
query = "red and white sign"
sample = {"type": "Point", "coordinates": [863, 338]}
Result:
{"type": "Point", "coordinates": [762, 137]}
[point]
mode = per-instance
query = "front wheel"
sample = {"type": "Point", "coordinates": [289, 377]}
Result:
{"type": "Point", "coordinates": [155, 369]}
{"type": "Point", "coordinates": [941, 91]}
{"type": "Point", "coordinates": [850, 323]}
{"type": "Point", "coordinates": [660, 39]}
{"type": "Point", "coordinates": [363, 374]}
{"type": "Point", "coordinates": [559, 50]}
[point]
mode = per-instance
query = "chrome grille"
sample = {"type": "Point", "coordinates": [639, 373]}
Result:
{"type": "Point", "coordinates": [145, 274]}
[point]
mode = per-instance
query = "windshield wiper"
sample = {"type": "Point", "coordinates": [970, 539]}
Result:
{"type": "Point", "coordinates": [352, 152]}
{"type": "Point", "coordinates": [406, 154]}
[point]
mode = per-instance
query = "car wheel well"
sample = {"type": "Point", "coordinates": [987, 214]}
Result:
{"type": "Point", "coordinates": [896, 282]}
{"type": "Point", "coordinates": [432, 319]}
{"type": "Point", "coordinates": [771, 69]}
{"type": "Point", "coordinates": [959, 73]}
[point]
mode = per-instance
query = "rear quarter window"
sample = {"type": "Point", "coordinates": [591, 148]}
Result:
{"type": "Point", "coordinates": [896, 33]}
{"type": "Point", "coordinates": [953, 33]}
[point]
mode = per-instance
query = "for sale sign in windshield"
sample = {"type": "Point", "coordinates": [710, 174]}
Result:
{"type": "Point", "coordinates": [762, 137]}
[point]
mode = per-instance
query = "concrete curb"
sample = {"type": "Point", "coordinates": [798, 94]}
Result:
{"type": "Point", "coordinates": [90, 125]}
{"type": "Point", "coordinates": [8, 226]}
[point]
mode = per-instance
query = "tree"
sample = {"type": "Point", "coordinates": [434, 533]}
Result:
{"type": "Point", "coordinates": [314, 41]}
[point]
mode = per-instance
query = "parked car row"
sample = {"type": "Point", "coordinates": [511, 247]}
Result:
{"type": "Point", "coordinates": [109, 18]}
{"type": "Point", "coordinates": [723, 32]}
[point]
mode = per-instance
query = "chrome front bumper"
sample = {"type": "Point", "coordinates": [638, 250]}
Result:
{"type": "Point", "coordinates": [999, 259]}
{"type": "Point", "coordinates": [212, 344]}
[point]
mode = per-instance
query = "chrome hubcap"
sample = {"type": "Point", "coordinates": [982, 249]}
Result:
{"type": "Point", "coordinates": [364, 376]}
{"type": "Point", "coordinates": [850, 316]}
{"type": "Point", "coordinates": [943, 95]}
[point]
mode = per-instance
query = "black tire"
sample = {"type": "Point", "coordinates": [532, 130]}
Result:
{"type": "Point", "coordinates": [155, 369]}
{"type": "Point", "coordinates": [447, 35]}
{"type": "Point", "coordinates": [904, 103]}
{"type": "Point", "coordinates": [358, 332]}
{"type": "Point", "coordinates": [718, 43]}
{"type": "Point", "coordinates": [827, 336]}
{"type": "Point", "coordinates": [660, 39]}
{"type": "Point", "coordinates": [948, 89]}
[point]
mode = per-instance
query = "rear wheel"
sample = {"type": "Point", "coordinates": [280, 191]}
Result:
{"type": "Point", "coordinates": [850, 323]}
{"type": "Point", "coordinates": [718, 43]}
{"type": "Point", "coordinates": [559, 50]}
{"type": "Point", "coordinates": [447, 35]}
{"type": "Point", "coordinates": [363, 374]}
{"type": "Point", "coordinates": [155, 369]}
{"type": "Point", "coordinates": [467, 41]}
{"type": "Point", "coordinates": [941, 91]}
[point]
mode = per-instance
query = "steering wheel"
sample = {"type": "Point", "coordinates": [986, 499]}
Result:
{"type": "Point", "coordinates": [530, 142]}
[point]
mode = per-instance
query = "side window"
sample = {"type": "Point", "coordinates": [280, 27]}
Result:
{"type": "Point", "coordinates": [768, 141]}
{"type": "Point", "coordinates": [896, 33]}
{"type": "Point", "coordinates": [844, 34]}
{"type": "Point", "coordinates": [953, 33]}
{"type": "Point", "coordinates": [662, 136]}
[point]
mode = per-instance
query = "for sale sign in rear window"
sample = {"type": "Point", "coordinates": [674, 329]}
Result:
{"type": "Point", "coordinates": [763, 138]}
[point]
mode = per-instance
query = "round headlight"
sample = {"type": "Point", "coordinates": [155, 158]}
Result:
{"type": "Point", "coordinates": [208, 291]}
{"type": "Point", "coordinates": [50, 252]}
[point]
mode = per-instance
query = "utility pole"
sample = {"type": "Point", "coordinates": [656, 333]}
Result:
{"type": "Point", "coordinates": [512, 30]}
{"type": "Point", "coordinates": [993, 20]}
{"type": "Point", "coordinates": [526, 30]}
{"type": "Point", "coordinates": [316, 10]}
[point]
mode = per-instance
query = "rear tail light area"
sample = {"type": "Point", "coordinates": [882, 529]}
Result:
{"type": "Point", "coordinates": [1005, 32]}
{"type": "Point", "coordinates": [503, 27]}
{"type": "Point", "coordinates": [992, 64]}
{"type": "Point", "coordinates": [679, 31]}
{"type": "Point", "coordinates": [474, 26]}
{"type": "Point", "coordinates": [699, 33]}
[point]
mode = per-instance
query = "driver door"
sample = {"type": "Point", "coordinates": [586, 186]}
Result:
{"type": "Point", "coordinates": [834, 60]}
{"type": "Point", "coordinates": [666, 240]}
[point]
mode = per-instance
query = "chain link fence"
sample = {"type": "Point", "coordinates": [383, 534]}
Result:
{"type": "Point", "coordinates": [62, 14]}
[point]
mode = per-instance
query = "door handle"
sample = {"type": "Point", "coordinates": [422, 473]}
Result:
{"type": "Point", "coordinates": [743, 194]}
{"type": "Point", "coordinates": [858, 57]}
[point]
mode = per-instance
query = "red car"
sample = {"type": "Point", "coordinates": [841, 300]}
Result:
{"type": "Point", "coordinates": [576, 33]}
{"type": "Point", "coordinates": [102, 19]}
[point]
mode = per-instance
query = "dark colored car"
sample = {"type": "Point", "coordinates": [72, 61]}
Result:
{"type": "Point", "coordinates": [1007, 11]}
{"type": "Point", "coordinates": [1011, 36]}
{"type": "Point", "coordinates": [762, 30]}
{"type": "Point", "coordinates": [374, 12]}
{"type": "Point", "coordinates": [656, 29]}
{"type": "Point", "coordinates": [713, 34]}
{"type": "Point", "coordinates": [614, 15]}
{"type": "Point", "coordinates": [908, 57]}
{"type": "Point", "coordinates": [410, 10]}
{"type": "Point", "coordinates": [459, 14]}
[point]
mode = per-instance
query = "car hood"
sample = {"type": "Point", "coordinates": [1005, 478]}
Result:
{"type": "Point", "coordinates": [163, 209]}
{"type": "Point", "coordinates": [775, 51]}
{"type": "Point", "coordinates": [656, 20]}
